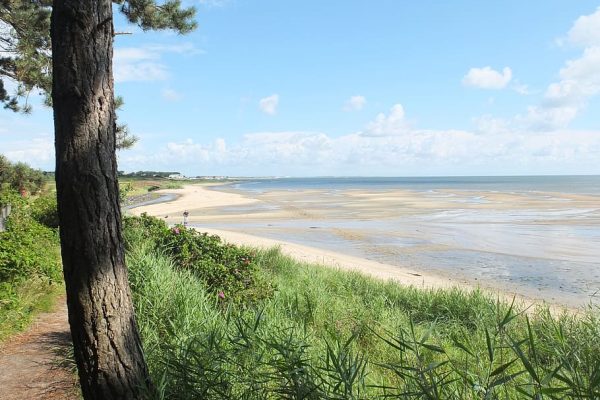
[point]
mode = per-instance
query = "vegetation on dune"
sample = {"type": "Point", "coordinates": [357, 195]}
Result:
{"type": "Point", "coordinates": [228, 271]}
{"type": "Point", "coordinates": [30, 268]}
{"type": "Point", "coordinates": [319, 333]}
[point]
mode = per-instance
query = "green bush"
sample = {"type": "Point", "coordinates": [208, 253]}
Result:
{"type": "Point", "coordinates": [225, 269]}
{"type": "Point", "coordinates": [28, 248]}
{"type": "Point", "coordinates": [12, 197]}
{"type": "Point", "coordinates": [44, 210]}
{"type": "Point", "coordinates": [144, 229]}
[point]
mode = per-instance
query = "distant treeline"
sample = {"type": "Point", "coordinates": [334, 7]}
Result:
{"type": "Point", "coordinates": [20, 176]}
{"type": "Point", "coordinates": [160, 174]}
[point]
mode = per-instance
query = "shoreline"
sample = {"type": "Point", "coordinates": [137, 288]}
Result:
{"type": "Point", "coordinates": [200, 197]}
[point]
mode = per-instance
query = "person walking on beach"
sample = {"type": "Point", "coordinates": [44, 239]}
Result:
{"type": "Point", "coordinates": [185, 217]}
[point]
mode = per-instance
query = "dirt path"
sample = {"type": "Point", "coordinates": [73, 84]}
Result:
{"type": "Point", "coordinates": [29, 362]}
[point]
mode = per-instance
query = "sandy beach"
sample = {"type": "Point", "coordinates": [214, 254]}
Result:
{"type": "Point", "coordinates": [421, 239]}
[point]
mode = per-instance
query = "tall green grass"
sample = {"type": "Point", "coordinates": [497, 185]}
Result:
{"type": "Point", "coordinates": [327, 334]}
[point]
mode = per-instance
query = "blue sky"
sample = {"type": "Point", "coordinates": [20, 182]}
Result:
{"type": "Point", "coordinates": [379, 87]}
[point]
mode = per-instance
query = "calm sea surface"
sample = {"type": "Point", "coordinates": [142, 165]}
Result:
{"type": "Point", "coordinates": [538, 236]}
{"type": "Point", "coordinates": [562, 184]}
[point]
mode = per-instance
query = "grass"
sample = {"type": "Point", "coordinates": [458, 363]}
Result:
{"type": "Point", "coordinates": [21, 302]}
{"type": "Point", "coordinates": [327, 334]}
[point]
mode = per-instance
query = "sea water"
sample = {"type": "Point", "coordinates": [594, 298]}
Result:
{"type": "Point", "coordinates": [580, 184]}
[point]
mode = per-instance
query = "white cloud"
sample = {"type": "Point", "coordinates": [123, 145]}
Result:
{"type": "Point", "coordinates": [28, 138]}
{"type": "Point", "coordinates": [389, 146]}
{"type": "Point", "coordinates": [355, 103]}
{"type": "Point", "coordinates": [37, 151]}
{"type": "Point", "coordinates": [579, 80]}
{"type": "Point", "coordinates": [416, 152]}
{"type": "Point", "coordinates": [184, 48]}
{"type": "Point", "coordinates": [545, 118]}
{"type": "Point", "coordinates": [387, 125]}
{"type": "Point", "coordinates": [580, 77]}
{"type": "Point", "coordinates": [521, 89]}
{"type": "Point", "coordinates": [538, 141]}
{"type": "Point", "coordinates": [269, 104]}
{"type": "Point", "coordinates": [139, 64]}
{"type": "Point", "coordinates": [487, 78]}
{"type": "Point", "coordinates": [586, 30]}
{"type": "Point", "coordinates": [171, 95]}
{"type": "Point", "coordinates": [488, 124]}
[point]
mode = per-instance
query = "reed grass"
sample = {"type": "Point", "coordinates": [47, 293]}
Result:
{"type": "Point", "coordinates": [328, 334]}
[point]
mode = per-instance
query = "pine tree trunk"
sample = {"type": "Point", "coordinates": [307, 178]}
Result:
{"type": "Point", "coordinates": [107, 344]}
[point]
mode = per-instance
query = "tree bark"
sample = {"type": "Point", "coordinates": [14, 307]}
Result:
{"type": "Point", "coordinates": [107, 344]}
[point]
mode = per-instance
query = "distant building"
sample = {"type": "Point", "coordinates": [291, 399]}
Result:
{"type": "Point", "coordinates": [176, 176]}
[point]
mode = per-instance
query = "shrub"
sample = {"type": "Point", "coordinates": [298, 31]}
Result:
{"type": "Point", "coordinates": [44, 210]}
{"type": "Point", "coordinates": [124, 190]}
{"type": "Point", "coordinates": [28, 248]}
{"type": "Point", "coordinates": [145, 227]}
{"type": "Point", "coordinates": [9, 196]}
{"type": "Point", "coordinates": [226, 270]}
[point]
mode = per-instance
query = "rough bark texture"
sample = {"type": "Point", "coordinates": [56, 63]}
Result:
{"type": "Point", "coordinates": [105, 337]}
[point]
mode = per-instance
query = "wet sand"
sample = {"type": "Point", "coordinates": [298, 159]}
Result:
{"type": "Point", "coordinates": [539, 246]}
